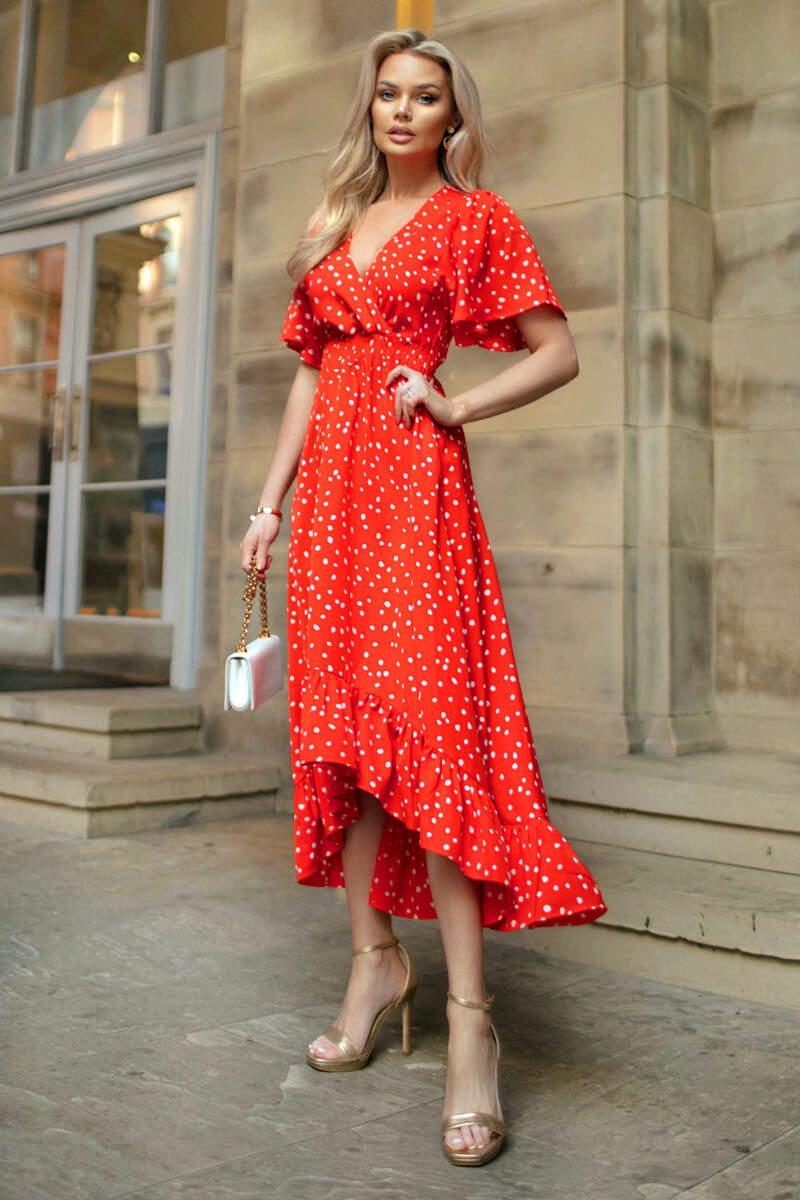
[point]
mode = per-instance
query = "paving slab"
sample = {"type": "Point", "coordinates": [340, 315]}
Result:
{"type": "Point", "coordinates": [159, 989]}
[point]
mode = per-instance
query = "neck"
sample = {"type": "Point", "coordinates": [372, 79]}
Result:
{"type": "Point", "coordinates": [406, 184]}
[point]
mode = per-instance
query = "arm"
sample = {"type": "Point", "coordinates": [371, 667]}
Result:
{"type": "Point", "coordinates": [283, 468]}
{"type": "Point", "coordinates": [552, 363]}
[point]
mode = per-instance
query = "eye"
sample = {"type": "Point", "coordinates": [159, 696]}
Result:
{"type": "Point", "coordinates": [427, 96]}
{"type": "Point", "coordinates": [385, 92]}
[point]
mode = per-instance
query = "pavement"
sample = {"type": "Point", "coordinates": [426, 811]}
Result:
{"type": "Point", "coordinates": [158, 990]}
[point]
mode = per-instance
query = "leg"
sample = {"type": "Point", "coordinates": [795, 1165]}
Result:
{"type": "Point", "coordinates": [470, 1050]}
{"type": "Point", "coordinates": [377, 977]}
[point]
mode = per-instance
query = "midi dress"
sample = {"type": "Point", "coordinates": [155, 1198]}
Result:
{"type": "Point", "coordinates": [401, 676]}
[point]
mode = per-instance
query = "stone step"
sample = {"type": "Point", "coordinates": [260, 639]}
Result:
{"type": "Point", "coordinates": [718, 928]}
{"type": "Point", "coordinates": [107, 723]}
{"type": "Point", "coordinates": [722, 806]}
{"type": "Point", "coordinates": [69, 793]}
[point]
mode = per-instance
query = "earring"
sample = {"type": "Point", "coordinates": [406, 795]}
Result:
{"type": "Point", "coordinates": [447, 137]}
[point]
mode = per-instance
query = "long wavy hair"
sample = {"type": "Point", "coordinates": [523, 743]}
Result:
{"type": "Point", "coordinates": [356, 172]}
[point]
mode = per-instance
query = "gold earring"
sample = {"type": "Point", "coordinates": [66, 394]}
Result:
{"type": "Point", "coordinates": [447, 137]}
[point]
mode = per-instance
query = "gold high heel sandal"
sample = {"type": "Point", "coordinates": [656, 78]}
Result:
{"type": "Point", "coordinates": [351, 1060]}
{"type": "Point", "coordinates": [473, 1158]}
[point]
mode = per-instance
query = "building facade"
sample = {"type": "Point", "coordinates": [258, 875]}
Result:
{"type": "Point", "coordinates": [157, 167]}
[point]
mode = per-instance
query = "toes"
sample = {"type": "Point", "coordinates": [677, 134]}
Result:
{"type": "Point", "coordinates": [322, 1048]}
{"type": "Point", "coordinates": [454, 1139]}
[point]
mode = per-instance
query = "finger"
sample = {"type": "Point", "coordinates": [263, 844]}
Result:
{"type": "Point", "coordinates": [399, 369]}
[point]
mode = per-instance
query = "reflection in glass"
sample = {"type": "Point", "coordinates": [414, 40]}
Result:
{"type": "Point", "coordinates": [31, 285]}
{"type": "Point", "coordinates": [135, 277]}
{"type": "Point", "coordinates": [9, 48]}
{"type": "Point", "coordinates": [195, 69]}
{"type": "Point", "coordinates": [129, 417]}
{"type": "Point", "coordinates": [23, 520]}
{"type": "Point", "coordinates": [89, 85]}
{"type": "Point", "coordinates": [25, 411]}
{"type": "Point", "coordinates": [123, 553]}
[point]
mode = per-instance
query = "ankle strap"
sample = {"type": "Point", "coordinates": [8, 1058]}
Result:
{"type": "Point", "coordinates": [377, 946]}
{"type": "Point", "coordinates": [484, 1004]}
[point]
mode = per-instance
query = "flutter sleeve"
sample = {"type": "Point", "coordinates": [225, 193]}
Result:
{"type": "Point", "coordinates": [301, 331]}
{"type": "Point", "coordinates": [496, 274]}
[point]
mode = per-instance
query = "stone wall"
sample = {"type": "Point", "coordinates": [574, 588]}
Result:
{"type": "Point", "coordinates": [605, 118]}
{"type": "Point", "coordinates": [755, 171]}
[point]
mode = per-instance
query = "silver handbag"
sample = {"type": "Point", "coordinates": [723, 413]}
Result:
{"type": "Point", "coordinates": [254, 671]}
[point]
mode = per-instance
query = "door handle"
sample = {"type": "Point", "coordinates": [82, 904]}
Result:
{"type": "Point", "coordinates": [75, 422]}
{"type": "Point", "coordinates": [55, 433]}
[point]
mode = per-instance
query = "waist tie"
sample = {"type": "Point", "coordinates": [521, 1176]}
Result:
{"type": "Point", "coordinates": [403, 350]}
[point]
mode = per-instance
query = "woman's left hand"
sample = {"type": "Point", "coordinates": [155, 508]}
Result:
{"type": "Point", "coordinates": [416, 389]}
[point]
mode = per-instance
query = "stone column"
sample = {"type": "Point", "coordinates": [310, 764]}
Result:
{"type": "Point", "coordinates": [669, 497]}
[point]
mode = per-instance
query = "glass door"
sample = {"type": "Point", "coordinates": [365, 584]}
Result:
{"type": "Point", "coordinates": [127, 377]}
{"type": "Point", "coordinates": [36, 333]}
{"type": "Point", "coordinates": [97, 404]}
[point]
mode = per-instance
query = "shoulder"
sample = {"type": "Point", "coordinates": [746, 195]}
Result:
{"type": "Point", "coordinates": [480, 210]}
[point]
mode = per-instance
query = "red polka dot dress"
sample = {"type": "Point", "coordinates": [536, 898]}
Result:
{"type": "Point", "coordinates": [402, 679]}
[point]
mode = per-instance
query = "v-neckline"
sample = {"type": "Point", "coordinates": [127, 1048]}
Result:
{"type": "Point", "coordinates": [396, 234]}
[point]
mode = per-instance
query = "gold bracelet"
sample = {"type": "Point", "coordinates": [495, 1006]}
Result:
{"type": "Point", "coordinates": [265, 508]}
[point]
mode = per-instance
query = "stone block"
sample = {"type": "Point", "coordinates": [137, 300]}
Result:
{"type": "Point", "coordinates": [282, 117]}
{"type": "Point", "coordinates": [275, 204]}
{"type": "Point", "coordinates": [565, 148]}
{"type": "Point", "coordinates": [547, 48]}
{"type": "Point", "coordinates": [260, 385]}
{"type": "Point", "coordinates": [580, 245]}
{"type": "Point", "coordinates": [215, 477]}
{"type": "Point", "coordinates": [757, 658]}
{"type": "Point", "coordinates": [675, 259]}
{"type": "Point", "coordinates": [232, 94]}
{"type": "Point", "coordinates": [560, 486]}
{"type": "Point", "coordinates": [755, 158]}
{"type": "Point", "coordinates": [674, 369]}
{"type": "Point", "coordinates": [756, 382]}
{"type": "Point", "coordinates": [279, 39]}
{"type": "Point", "coordinates": [218, 416]}
{"type": "Point", "coordinates": [652, 621]}
{"type": "Point", "coordinates": [691, 477]}
{"type": "Point", "coordinates": [668, 41]}
{"type": "Point", "coordinates": [690, 258]}
{"type": "Point", "coordinates": [565, 620]}
{"type": "Point", "coordinates": [757, 489]}
{"type": "Point", "coordinates": [689, 148]}
{"type": "Point", "coordinates": [262, 293]}
{"type": "Point", "coordinates": [225, 231]}
{"type": "Point", "coordinates": [757, 260]}
{"type": "Point", "coordinates": [228, 168]}
{"type": "Point", "coordinates": [690, 630]}
{"type": "Point", "coordinates": [755, 47]}
{"type": "Point", "coordinates": [222, 331]}
{"type": "Point", "coordinates": [651, 263]}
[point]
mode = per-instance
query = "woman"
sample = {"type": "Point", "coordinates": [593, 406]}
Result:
{"type": "Point", "coordinates": [416, 785]}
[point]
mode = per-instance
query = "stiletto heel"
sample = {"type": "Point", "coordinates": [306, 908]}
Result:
{"type": "Point", "coordinates": [351, 1059]}
{"type": "Point", "coordinates": [474, 1158]}
{"type": "Point", "coordinates": [407, 1003]}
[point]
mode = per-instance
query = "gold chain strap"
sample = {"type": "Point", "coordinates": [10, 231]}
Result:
{"type": "Point", "coordinates": [249, 595]}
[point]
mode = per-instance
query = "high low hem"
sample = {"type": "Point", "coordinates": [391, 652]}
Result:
{"type": "Point", "coordinates": [529, 874]}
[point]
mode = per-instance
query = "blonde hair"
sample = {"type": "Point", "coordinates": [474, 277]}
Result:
{"type": "Point", "coordinates": [356, 171]}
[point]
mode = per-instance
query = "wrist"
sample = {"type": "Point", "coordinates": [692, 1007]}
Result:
{"type": "Point", "coordinates": [460, 409]}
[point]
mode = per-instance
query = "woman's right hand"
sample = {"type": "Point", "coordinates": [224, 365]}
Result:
{"type": "Point", "coordinates": [262, 532]}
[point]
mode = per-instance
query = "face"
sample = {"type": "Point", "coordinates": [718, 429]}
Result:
{"type": "Point", "coordinates": [412, 94]}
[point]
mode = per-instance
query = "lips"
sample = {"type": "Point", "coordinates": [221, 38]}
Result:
{"type": "Point", "coordinates": [399, 129]}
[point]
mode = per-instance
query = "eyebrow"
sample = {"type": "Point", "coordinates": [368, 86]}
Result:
{"type": "Point", "coordinates": [417, 86]}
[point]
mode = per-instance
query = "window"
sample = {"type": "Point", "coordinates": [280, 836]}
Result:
{"type": "Point", "coordinates": [100, 74]}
